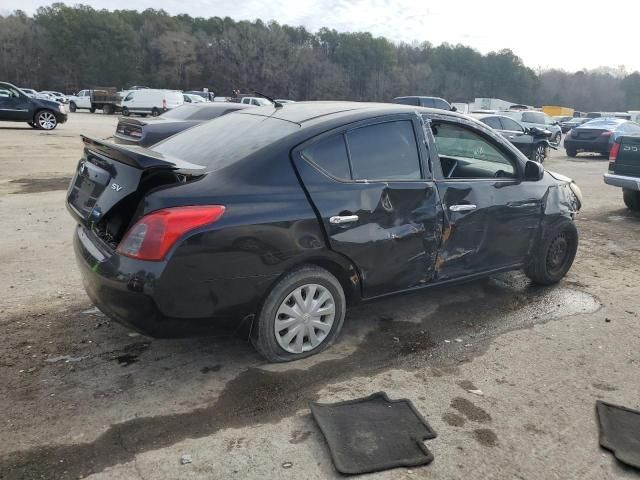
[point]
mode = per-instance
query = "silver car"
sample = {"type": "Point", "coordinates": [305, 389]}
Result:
{"type": "Point", "coordinates": [534, 118]}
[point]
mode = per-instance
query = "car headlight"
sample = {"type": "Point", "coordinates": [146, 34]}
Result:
{"type": "Point", "coordinates": [577, 192]}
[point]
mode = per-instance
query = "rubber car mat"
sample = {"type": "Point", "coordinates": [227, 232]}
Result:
{"type": "Point", "coordinates": [373, 433]}
{"type": "Point", "coordinates": [620, 432]}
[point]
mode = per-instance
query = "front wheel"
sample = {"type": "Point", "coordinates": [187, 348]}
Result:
{"type": "Point", "coordinates": [33, 124]}
{"type": "Point", "coordinates": [125, 112]}
{"type": "Point", "coordinates": [155, 112]}
{"type": "Point", "coordinates": [46, 120]}
{"type": "Point", "coordinates": [72, 107]}
{"type": "Point", "coordinates": [555, 255]}
{"type": "Point", "coordinates": [557, 138]}
{"type": "Point", "coordinates": [108, 109]}
{"type": "Point", "coordinates": [301, 316]}
{"type": "Point", "coordinates": [92, 110]}
{"type": "Point", "coordinates": [631, 199]}
{"type": "Point", "coordinates": [540, 153]}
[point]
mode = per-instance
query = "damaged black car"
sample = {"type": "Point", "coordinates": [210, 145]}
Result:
{"type": "Point", "coordinates": [275, 219]}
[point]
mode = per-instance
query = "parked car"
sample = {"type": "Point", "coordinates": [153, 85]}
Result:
{"type": "Point", "coordinates": [624, 170]}
{"type": "Point", "coordinates": [429, 102]}
{"type": "Point", "coordinates": [151, 101]}
{"type": "Point", "coordinates": [561, 118]}
{"type": "Point", "coordinates": [189, 98]}
{"type": "Point", "coordinates": [532, 141]}
{"type": "Point", "coordinates": [56, 96]}
{"type": "Point", "coordinates": [147, 132]}
{"type": "Point", "coordinates": [598, 135]}
{"type": "Point", "coordinates": [255, 101]}
{"type": "Point", "coordinates": [17, 106]}
{"type": "Point", "coordinates": [572, 123]}
{"type": "Point", "coordinates": [263, 217]}
{"type": "Point", "coordinates": [208, 96]}
{"type": "Point", "coordinates": [533, 118]}
{"type": "Point", "coordinates": [284, 100]}
{"type": "Point", "coordinates": [99, 98]}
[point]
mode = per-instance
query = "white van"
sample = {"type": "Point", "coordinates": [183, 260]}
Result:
{"type": "Point", "coordinates": [150, 101]}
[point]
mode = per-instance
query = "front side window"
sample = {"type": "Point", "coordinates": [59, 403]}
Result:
{"type": "Point", "coordinates": [128, 97]}
{"type": "Point", "coordinates": [466, 154]}
{"type": "Point", "coordinates": [493, 122]}
{"type": "Point", "coordinates": [330, 154]}
{"type": "Point", "coordinates": [511, 125]}
{"type": "Point", "coordinates": [384, 151]}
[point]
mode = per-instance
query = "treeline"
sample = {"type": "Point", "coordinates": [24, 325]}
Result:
{"type": "Point", "coordinates": [69, 48]}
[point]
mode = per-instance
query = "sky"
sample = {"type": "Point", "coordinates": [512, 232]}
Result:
{"type": "Point", "coordinates": [566, 34]}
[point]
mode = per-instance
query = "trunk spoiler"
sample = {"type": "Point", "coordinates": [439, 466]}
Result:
{"type": "Point", "coordinates": [140, 157]}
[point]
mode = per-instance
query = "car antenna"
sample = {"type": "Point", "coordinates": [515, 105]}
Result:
{"type": "Point", "coordinates": [275, 104]}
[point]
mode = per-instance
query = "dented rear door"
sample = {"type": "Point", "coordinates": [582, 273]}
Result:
{"type": "Point", "coordinates": [372, 189]}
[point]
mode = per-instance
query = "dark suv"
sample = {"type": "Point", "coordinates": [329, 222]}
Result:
{"type": "Point", "coordinates": [278, 218]}
{"type": "Point", "coordinates": [17, 106]}
{"type": "Point", "coordinates": [428, 102]}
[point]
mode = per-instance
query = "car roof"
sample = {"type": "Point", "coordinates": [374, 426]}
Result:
{"type": "Point", "coordinates": [312, 112]}
{"type": "Point", "coordinates": [420, 96]}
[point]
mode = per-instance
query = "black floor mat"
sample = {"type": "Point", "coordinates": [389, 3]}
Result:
{"type": "Point", "coordinates": [374, 433]}
{"type": "Point", "coordinates": [620, 432]}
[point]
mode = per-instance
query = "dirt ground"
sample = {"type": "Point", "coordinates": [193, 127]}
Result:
{"type": "Point", "coordinates": [82, 397]}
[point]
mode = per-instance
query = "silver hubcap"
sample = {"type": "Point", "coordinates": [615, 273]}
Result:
{"type": "Point", "coordinates": [47, 120]}
{"type": "Point", "coordinates": [305, 318]}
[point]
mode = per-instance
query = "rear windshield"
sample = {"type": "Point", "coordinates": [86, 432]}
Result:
{"type": "Point", "coordinates": [225, 140]}
{"type": "Point", "coordinates": [195, 112]}
{"type": "Point", "coordinates": [601, 123]}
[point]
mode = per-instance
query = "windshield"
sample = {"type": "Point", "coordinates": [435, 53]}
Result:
{"type": "Point", "coordinates": [225, 140]}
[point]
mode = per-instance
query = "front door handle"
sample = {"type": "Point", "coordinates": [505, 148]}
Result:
{"type": "Point", "coordinates": [342, 219]}
{"type": "Point", "coordinates": [462, 208]}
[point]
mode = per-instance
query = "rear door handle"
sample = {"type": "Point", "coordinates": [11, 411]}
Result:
{"type": "Point", "coordinates": [462, 208]}
{"type": "Point", "coordinates": [342, 219]}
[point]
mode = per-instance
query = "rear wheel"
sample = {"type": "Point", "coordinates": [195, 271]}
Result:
{"type": "Point", "coordinates": [72, 107]}
{"type": "Point", "coordinates": [301, 316]}
{"type": "Point", "coordinates": [540, 153]}
{"type": "Point", "coordinates": [571, 152]}
{"type": "Point", "coordinates": [125, 112]}
{"type": "Point", "coordinates": [155, 112]}
{"type": "Point", "coordinates": [555, 255]}
{"type": "Point", "coordinates": [46, 120]}
{"type": "Point", "coordinates": [631, 199]}
{"type": "Point", "coordinates": [108, 109]}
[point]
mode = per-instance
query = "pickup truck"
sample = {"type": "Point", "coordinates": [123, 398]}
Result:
{"type": "Point", "coordinates": [624, 170]}
{"type": "Point", "coordinates": [99, 98]}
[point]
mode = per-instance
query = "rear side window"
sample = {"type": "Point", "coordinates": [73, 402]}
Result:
{"type": "Point", "coordinates": [385, 151]}
{"type": "Point", "coordinates": [330, 154]}
{"type": "Point", "coordinates": [407, 101]}
{"type": "Point", "coordinates": [511, 125]}
{"type": "Point", "coordinates": [206, 113]}
{"type": "Point", "coordinates": [441, 104]}
{"type": "Point", "coordinates": [427, 102]}
{"type": "Point", "coordinates": [493, 122]}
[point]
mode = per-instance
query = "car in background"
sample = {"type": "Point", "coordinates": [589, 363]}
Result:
{"type": "Point", "coordinates": [265, 219]}
{"type": "Point", "coordinates": [534, 118]}
{"type": "Point", "coordinates": [256, 101]}
{"type": "Point", "coordinates": [56, 96]}
{"type": "Point", "coordinates": [284, 100]}
{"type": "Point", "coordinates": [624, 169]}
{"type": "Point", "coordinates": [561, 118]}
{"type": "Point", "coordinates": [532, 141]}
{"type": "Point", "coordinates": [17, 106]}
{"type": "Point", "coordinates": [598, 135]}
{"type": "Point", "coordinates": [567, 125]}
{"type": "Point", "coordinates": [131, 131]}
{"type": "Point", "coordinates": [189, 98]}
{"type": "Point", "coordinates": [150, 101]}
{"type": "Point", "coordinates": [428, 102]}
{"type": "Point", "coordinates": [208, 96]}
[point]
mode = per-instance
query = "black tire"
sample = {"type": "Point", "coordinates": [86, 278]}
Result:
{"type": "Point", "coordinates": [45, 120]}
{"type": "Point", "coordinates": [32, 124]}
{"type": "Point", "coordinates": [557, 138]}
{"type": "Point", "coordinates": [108, 109]}
{"type": "Point", "coordinates": [571, 152]}
{"type": "Point", "coordinates": [125, 112]}
{"type": "Point", "coordinates": [155, 112]}
{"type": "Point", "coordinates": [92, 110]}
{"type": "Point", "coordinates": [631, 199]}
{"type": "Point", "coordinates": [72, 107]}
{"type": "Point", "coordinates": [264, 335]}
{"type": "Point", "coordinates": [555, 254]}
{"type": "Point", "coordinates": [539, 153]}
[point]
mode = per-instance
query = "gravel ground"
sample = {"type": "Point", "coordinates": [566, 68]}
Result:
{"type": "Point", "coordinates": [82, 397]}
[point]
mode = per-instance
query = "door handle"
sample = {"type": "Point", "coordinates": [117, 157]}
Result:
{"type": "Point", "coordinates": [342, 219]}
{"type": "Point", "coordinates": [462, 208]}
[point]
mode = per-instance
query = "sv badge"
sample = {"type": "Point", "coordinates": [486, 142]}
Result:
{"type": "Point", "coordinates": [116, 187]}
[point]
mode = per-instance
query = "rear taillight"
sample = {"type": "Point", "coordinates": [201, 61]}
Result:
{"type": "Point", "coordinates": [153, 235]}
{"type": "Point", "coordinates": [613, 155]}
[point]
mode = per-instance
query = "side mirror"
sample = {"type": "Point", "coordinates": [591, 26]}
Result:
{"type": "Point", "coordinates": [533, 171]}
{"type": "Point", "coordinates": [454, 109]}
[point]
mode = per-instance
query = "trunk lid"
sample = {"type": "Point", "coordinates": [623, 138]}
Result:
{"type": "Point", "coordinates": [589, 134]}
{"type": "Point", "coordinates": [105, 192]}
{"type": "Point", "coordinates": [628, 159]}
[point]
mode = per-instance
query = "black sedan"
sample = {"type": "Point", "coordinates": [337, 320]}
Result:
{"type": "Point", "coordinates": [572, 123]}
{"type": "Point", "coordinates": [131, 131]}
{"type": "Point", "coordinates": [279, 218]}
{"type": "Point", "coordinates": [598, 135]}
{"type": "Point", "coordinates": [17, 106]}
{"type": "Point", "coordinates": [532, 141]}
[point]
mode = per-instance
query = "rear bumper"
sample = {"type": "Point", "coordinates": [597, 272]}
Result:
{"type": "Point", "coordinates": [587, 146]}
{"type": "Point", "coordinates": [629, 183]}
{"type": "Point", "coordinates": [143, 296]}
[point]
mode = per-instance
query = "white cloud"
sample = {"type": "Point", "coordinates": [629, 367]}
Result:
{"type": "Point", "coordinates": [547, 33]}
